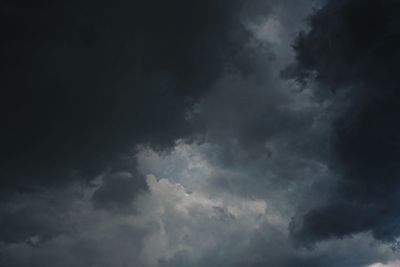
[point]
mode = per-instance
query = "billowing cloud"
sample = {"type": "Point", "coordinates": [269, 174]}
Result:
{"type": "Point", "coordinates": [171, 226]}
{"type": "Point", "coordinates": [358, 63]}
{"type": "Point", "coordinates": [165, 134]}
{"type": "Point", "coordinates": [83, 83]}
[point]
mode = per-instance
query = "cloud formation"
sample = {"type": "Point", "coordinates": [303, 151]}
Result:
{"type": "Point", "coordinates": [359, 63]}
{"type": "Point", "coordinates": [83, 83]}
{"type": "Point", "coordinates": [172, 226]}
{"type": "Point", "coordinates": [165, 134]}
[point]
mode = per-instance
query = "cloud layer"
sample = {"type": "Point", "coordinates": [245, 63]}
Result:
{"type": "Point", "coordinates": [172, 226]}
{"type": "Point", "coordinates": [202, 133]}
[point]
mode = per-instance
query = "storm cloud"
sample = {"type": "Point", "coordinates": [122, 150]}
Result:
{"type": "Point", "coordinates": [199, 133]}
{"type": "Point", "coordinates": [83, 82]}
{"type": "Point", "coordinates": [352, 53]}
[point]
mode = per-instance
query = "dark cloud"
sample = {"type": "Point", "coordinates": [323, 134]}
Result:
{"type": "Point", "coordinates": [352, 49]}
{"type": "Point", "coordinates": [36, 217]}
{"type": "Point", "coordinates": [171, 228]}
{"type": "Point", "coordinates": [117, 191]}
{"type": "Point", "coordinates": [266, 136]}
{"type": "Point", "coordinates": [161, 133]}
{"type": "Point", "coordinates": [84, 81]}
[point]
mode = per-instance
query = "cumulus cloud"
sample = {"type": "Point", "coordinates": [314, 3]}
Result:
{"type": "Point", "coordinates": [172, 226]}
{"type": "Point", "coordinates": [165, 134]}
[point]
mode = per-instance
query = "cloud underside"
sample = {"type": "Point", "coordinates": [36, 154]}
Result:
{"type": "Point", "coordinates": [168, 225]}
{"type": "Point", "coordinates": [359, 64]}
{"type": "Point", "coordinates": [209, 133]}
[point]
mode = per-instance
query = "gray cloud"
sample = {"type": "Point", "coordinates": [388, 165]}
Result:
{"type": "Point", "coordinates": [117, 191]}
{"type": "Point", "coordinates": [172, 227]}
{"type": "Point", "coordinates": [358, 63]}
{"type": "Point", "coordinates": [163, 134]}
{"type": "Point", "coordinates": [85, 83]}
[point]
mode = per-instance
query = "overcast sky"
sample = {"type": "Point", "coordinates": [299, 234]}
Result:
{"type": "Point", "coordinates": [218, 133]}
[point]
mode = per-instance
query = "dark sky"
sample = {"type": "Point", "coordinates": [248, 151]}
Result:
{"type": "Point", "coordinates": [227, 133]}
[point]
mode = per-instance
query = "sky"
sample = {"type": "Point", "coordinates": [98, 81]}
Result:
{"type": "Point", "coordinates": [218, 133]}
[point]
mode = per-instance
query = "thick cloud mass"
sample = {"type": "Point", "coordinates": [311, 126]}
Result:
{"type": "Point", "coordinates": [163, 133]}
{"type": "Point", "coordinates": [171, 226]}
{"type": "Point", "coordinates": [352, 48]}
{"type": "Point", "coordinates": [84, 81]}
